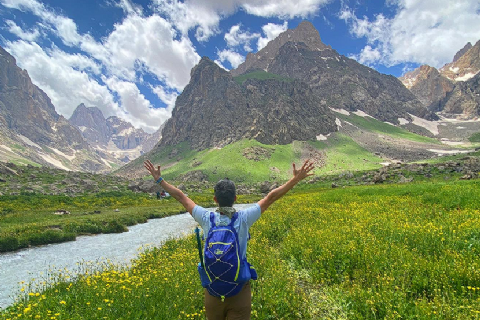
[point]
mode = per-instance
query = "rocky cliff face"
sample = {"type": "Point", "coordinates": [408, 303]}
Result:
{"type": "Point", "coordinates": [462, 51]}
{"type": "Point", "coordinates": [28, 111]}
{"type": "Point", "coordinates": [32, 125]}
{"type": "Point", "coordinates": [428, 85]}
{"type": "Point", "coordinates": [464, 100]}
{"type": "Point", "coordinates": [339, 82]}
{"type": "Point", "coordinates": [215, 110]}
{"type": "Point", "coordinates": [465, 65]}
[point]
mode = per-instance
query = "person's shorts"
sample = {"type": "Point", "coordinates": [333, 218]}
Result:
{"type": "Point", "coordinates": [238, 307]}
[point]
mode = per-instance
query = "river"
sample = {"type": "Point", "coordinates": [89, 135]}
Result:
{"type": "Point", "coordinates": [34, 264]}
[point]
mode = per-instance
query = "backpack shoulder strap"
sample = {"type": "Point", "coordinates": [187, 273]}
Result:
{"type": "Point", "coordinates": [234, 218]}
{"type": "Point", "coordinates": [212, 219]}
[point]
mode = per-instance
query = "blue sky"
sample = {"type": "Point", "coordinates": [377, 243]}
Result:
{"type": "Point", "coordinates": [132, 58]}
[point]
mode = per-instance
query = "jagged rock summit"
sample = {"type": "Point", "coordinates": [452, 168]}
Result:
{"type": "Point", "coordinates": [452, 91]}
{"type": "Point", "coordinates": [112, 135]}
{"type": "Point", "coordinates": [305, 33]}
{"type": "Point", "coordinates": [462, 51]}
{"type": "Point", "coordinates": [465, 65]}
{"type": "Point", "coordinates": [428, 85]}
{"type": "Point", "coordinates": [216, 109]}
{"type": "Point", "coordinates": [340, 82]}
{"type": "Point", "coordinates": [91, 123]}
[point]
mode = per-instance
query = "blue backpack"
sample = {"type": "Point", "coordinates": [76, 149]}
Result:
{"type": "Point", "coordinates": [222, 271]}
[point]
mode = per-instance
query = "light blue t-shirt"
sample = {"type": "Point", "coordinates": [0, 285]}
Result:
{"type": "Point", "coordinates": [244, 221]}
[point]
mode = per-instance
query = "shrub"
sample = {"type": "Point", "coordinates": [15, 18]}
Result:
{"type": "Point", "coordinates": [50, 236]}
{"type": "Point", "coordinates": [9, 243]}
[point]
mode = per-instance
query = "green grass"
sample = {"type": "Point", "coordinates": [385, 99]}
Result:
{"type": "Point", "coordinates": [344, 154]}
{"type": "Point", "coordinates": [475, 137]}
{"type": "Point", "coordinates": [374, 125]}
{"type": "Point", "coordinates": [260, 75]}
{"type": "Point", "coordinates": [19, 147]}
{"type": "Point", "coordinates": [371, 252]}
{"type": "Point", "coordinates": [230, 162]}
{"type": "Point", "coordinates": [455, 157]}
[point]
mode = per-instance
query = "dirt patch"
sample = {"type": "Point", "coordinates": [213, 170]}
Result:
{"type": "Point", "coordinates": [257, 153]}
{"type": "Point", "coordinates": [318, 157]}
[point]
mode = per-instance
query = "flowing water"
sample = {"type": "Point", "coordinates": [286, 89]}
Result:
{"type": "Point", "coordinates": [35, 264]}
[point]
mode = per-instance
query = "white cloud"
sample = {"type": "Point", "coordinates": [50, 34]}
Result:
{"type": "Point", "coordinates": [129, 7]}
{"type": "Point", "coordinates": [204, 15]}
{"type": "Point", "coordinates": [271, 31]}
{"type": "Point", "coordinates": [234, 58]}
{"type": "Point", "coordinates": [284, 8]}
{"type": "Point", "coordinates": [152, 43]}
{"type": "Point", "coordinates": [235, 37]}
{"type": "Point", "coordinates": [56, 73]}
{"type": "Point", "coordinates": [19, 32]}
{"type": "Point", "coordinates": [169, 98]}
{"type": "Point", "coordinates": [201, 15]}
{"type": "Point", "coordinates": [76, 61]}
{"type": "Point", "coordinates": [425, 32]}
{"type": "Point", "coordinates": [368, 55]}
{"type": "Point", "coordinates": [136, 108]}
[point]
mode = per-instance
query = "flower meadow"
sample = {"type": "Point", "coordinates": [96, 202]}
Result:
{"type": "Point", "coordinates": [372, 252]}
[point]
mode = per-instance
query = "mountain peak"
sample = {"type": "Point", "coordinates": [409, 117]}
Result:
{"type": "Point", "coordinates": [461, 52]}
{"type": "Point", "coordinates": [305, 32]}
{"type": "Point", "coordinates": [411, 78]}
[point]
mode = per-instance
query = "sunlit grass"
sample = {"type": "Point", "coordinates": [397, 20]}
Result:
{"type": "Point", "coordinates": [372, 252]}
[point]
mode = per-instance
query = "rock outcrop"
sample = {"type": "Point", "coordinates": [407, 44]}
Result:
{"type": "Point", "coordinates": [428, 85]}
{"type": "Point", "coordinates": [215, 110]}
{"type": "Point", "coordinates": [465, 65]}
{"type": "Point", "coordinates": [463, 102]}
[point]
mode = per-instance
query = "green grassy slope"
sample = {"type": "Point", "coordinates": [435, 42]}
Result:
{"type": "Point", "coordinates": [374, 125]}
{"type": "Point", "coordinates": [231, 162]}
{"type": "Point", "coordinates": [249, 161]}
{"type": "Point", "coordinates": [343, 154]}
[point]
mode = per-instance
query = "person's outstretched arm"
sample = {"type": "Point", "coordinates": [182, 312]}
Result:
{"type": "Point", "coordinates": [277, 193]}
{"type": "Point", "coordinates": [174, 191]}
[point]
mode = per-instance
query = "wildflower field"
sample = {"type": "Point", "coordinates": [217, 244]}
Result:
{"type": "Point", "coordinates": [372, 252]}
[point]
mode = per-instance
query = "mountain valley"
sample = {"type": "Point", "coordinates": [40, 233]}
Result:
{"type": "Point", "coordinates": [295, 98]}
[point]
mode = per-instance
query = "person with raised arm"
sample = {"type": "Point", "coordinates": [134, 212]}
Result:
{"type": "Point", "coordinates": [226, 233]}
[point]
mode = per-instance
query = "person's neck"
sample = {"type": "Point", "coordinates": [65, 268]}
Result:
{"type": "Point", "coordinates": [226, 211]}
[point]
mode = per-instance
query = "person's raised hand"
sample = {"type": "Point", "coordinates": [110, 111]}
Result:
{"type": "Point", "coordinates": [156, 173]}
{"type": "Point", "coordinates": [304, 171]}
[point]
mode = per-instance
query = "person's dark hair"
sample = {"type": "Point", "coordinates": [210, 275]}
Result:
{"type": "Point", "coordinates": [225, 192]}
